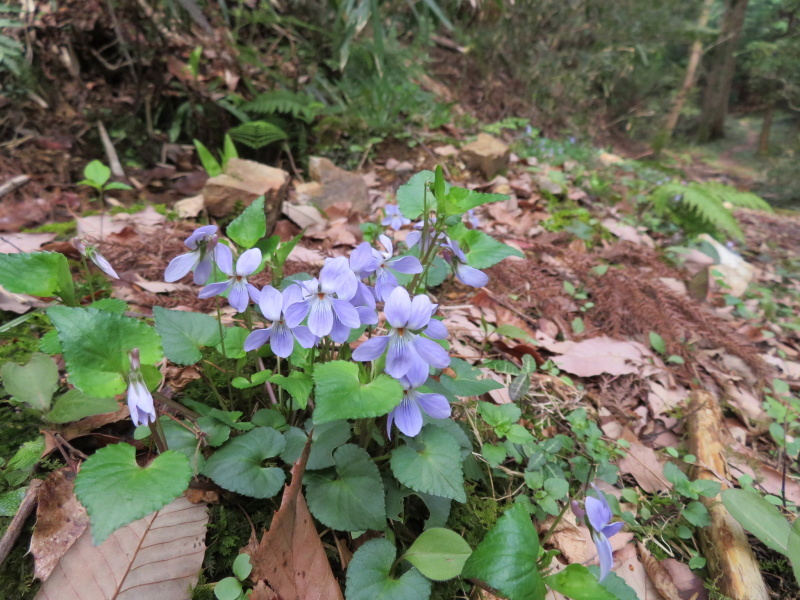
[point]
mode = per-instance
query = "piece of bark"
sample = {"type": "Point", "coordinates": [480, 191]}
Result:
{"type": "Point", "coordinates": [13, 184]}
{"type": "Point", "coordinates": [15, 527]}
{"type": "Point", "coordinates": [725, 546]}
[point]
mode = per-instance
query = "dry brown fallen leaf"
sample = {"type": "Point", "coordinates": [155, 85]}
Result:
{"type": "Point", "coordinates": [159, 556]}
{"type": "Point", "coordinates": [600, 355]}
{"type": "Point", "coordinates": [60, 520]}
{"type": "Point", "coordinates": [11, 243]}
{"type": "Point", "coordinates": [290, 557]}
{"type": "Point", "coordinates": [658, 575]}
{"type": "Point", "coordinates": [642, 462]}
{"type": "Point", "coordinates": [628, 566]}
{"type": "Point", "coordinates": [689, 585]}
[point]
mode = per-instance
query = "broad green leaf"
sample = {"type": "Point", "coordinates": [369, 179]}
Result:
{"type": "Point", "coordinates": [180, 438]}
{"type": "Point", "coordinates": [27, 456]}
{"type": "Point", "coordinates": [37, 274]}
{"type": "Point", "coordinates": [33, 383]}
{"type": "Point", "coordinates": [112, 305]}
{"type": "Point", "coordinates": [49, 342]}
{"type": "Point", "coordinates": [242, 567]}
{"type": "Point", "coordinates": [759, 517]}
{"type": "Point", "coordinates": [519, 387]}
{"type": "Point", "coordinates": [352, 499]}
{"type": "Point", "coordinates": [238, 465]}
{"type": "Point", "coordinates": [10, 501]}
{"type": "Point", "coordinates": [467, 381]}
{"type": "Point", "coordinates": [431, 463]}
{"type": "Point", "coordinates": [116, 491]}
{"type": "Point", "coordinates": [96, 345]}
{"type": "Point", "coordinates": [217, 433]}
{"type": "Point", "coordinates": [230, 418]}
{"type": "Point", "coordinates": [696, 514]}
{"type": "Point", "coordinates": [506, 558]}
{"type": "Point", "coordinates": [369, 575]}
{"type": "Point", "coordinates": [657, 343]}
{"type": "Point", "coordinates": [325, 439]}
{"type": "Point", "coordinates": [298, 384]}
{"type": "Point", "coordinates": [183, 333]}
{"type": "Point", "coordinates": [340, 395]}
{"type": "Point", "coordinates": [234, 342]}
{"type": "Point", "coordinates": [117, 185]}
{"type": "Point", "coordinates": [494, 455]}
{"type": "Point", "coordinates": [578, 583]}
{"type": "Point", "coordinates": [258, 378]}
{"type": "Point", "coordinates": [97, 172]}
{"type": "Point", "coordinates": [414, 197]}
{"type": "Point", "coordinates": [438, 510]}
{"type": "Point", "coordinates": [458, 200]}
{"type": "Point", "coordinates": [228, 589]}
{"type": "Point", "coordinates": [75, 405]}
{"type": "Point", "coordinates": [793, 549]}
{"type": "Point", "coordinates": [499, 415]}
{"type": "Point", "coordinates": [439, 554]}
{"type": "Point", "coordinates": [485, 251]}
{"type": "Point", "coordinates": [269, 417]}
{"type": "Point", "coordinates": [285, 249]}
{"type": "Point", "coordinates": [250, 226]}
{"type": "Point", "coordinates": [210, 164]}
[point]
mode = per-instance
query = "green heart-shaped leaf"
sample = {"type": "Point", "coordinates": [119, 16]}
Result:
{"type": "Point", "coordinates": [431, 463]}
{"type": "Point", "coordinates": [75, 405]}
{"type": "Point", "coordinates": [184, 333]}
{"type": "Point", "coordinates": [340, 394]}
{"type": "Point", "coordinates": [116, 491]}
{"type": "Point", "coordinates": [369, 576]}
{"type": "Point", "coordinates": [33, 383]}
{"type": "Point", "coordinates": [439, 554]}
{"type": "Point", "coordinates": [578, 583]}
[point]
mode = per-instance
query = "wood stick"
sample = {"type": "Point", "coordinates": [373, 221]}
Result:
{"type": "Point", "coordinates": [15, 527]}
{"type": "Point", "coordinates": [111, 153]}
{"type": "Point", "coordinates": [13, 184]}
{"type": "Point", "coordinates": [724, 543]}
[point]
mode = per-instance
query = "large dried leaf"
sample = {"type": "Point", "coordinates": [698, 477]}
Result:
{"type": "Point", "coordinates": [659, 575]}
{"type": "Point", "coordinates": [290, 557]}
{"type": "Point", "coordinates": [159, 556]}
{"type": "Point", "coordinates": [600, 355]}
{"type": "Point", "coordinates": [60, 521]}
{"type": "Point", "coordinates": [642, 462]}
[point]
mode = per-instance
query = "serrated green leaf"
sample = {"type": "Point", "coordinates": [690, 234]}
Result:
{"type": "Point", "coordinates": [431, 463]}
{"type": "Point", "coordinates": [340, 395]}
{"type": "Point", "coordinates": [556, 487]}
{"type": "Point", "coordinates": [234, 342]}
{"type": "Point", "coordinates": [506, 558]}
{"type": "Point", "coordinates": [10, 501]}
{"type": "Point", "coordinates": [250, 226]}
{"type": "Point", "coordinates": [352, 499]}
{"type": "Point", "coordinates": [298, 384]}
{"type": "Point", "coordinates": [369, 575]}
{"type": "Point", "coordinates": [696, 514]}
{"type": "Point", "coordinates": [180, 438]}
{"type": "Point", "coordinates": [439, 553]}
{"type": "Point", "coordinates": [578, 583]}
{"type": "Point", "coordinates": [75, 405]}
{"type": "Point", "coordinates": [459, 200]}
{"type": "Point", "coordinates": [494, 455]}
{"type": "Point", "coordinates": [616, 585]}
{"type": "Point", "coordinates": [269, 417]}
{"type": "Point", "coordinates": [27, 456]}
{"type": "Point", "coordinates": [183, 333]}
{"type": "Point", "coordinates": [96, 344]}
{"type": "Point", "coordinates": [414, 197]}
{"type": "Point", "coordinates": [499, 415]}
{"type": "Point", "coordinates": [466, 382]}
{"type": "Point", "coordinates": [37, 274]}
{"type": "Point", "coordinates": [484, 251]}
{"type": "Point", "coordinates": [238, 465]}
{"type": "Point", "coordinates": [116, 491]}
{"type": "Point", "coordinates": [97, 172]}
{"type": "Point", "coordinates": [325, 438]}
{"type": "Point", "coordinates": [33, 383]}
{"type": "Point", "coordinates": [758, 517]}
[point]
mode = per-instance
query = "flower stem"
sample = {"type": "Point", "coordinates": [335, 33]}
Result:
{"type": "Point", "coordinates": [88, 277]}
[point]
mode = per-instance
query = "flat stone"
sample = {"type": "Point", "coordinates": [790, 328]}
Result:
{"type": "Point", "coordinates": [487, 154]}
{"type": "Point", "coordinates": [332, 185]}
{"type": "Point", "coordinates": [244, 181]}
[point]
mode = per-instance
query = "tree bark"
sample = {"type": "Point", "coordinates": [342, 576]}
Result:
{"type": "Point", "coordinates": [766, 125]}
{"type": "Point", "coordinates": [695, 53]}
{"type": "Point", "coordinates": [720, 76]}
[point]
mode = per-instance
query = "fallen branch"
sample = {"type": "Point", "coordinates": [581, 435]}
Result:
{"type": "Point", "coordinates": [725, 546]}
{"type": "Point", "coordinates": [15, 527]}
{"type": "Point", "coordinates": [13, 184]}
{"type": "Point", "coordinates": [111, 153]}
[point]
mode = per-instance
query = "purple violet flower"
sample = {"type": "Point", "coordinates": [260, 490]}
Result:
{"type": "Point", "coordinates": [93, 255]}
{"type": "Point", "coordinates": [409, 354]}
{"type": "Point", "coordinates": [473, 219]}
{"type": "Point", "coordinates": [140, 401]}
{"type": "Point", "coordinates": [415, 237]}
{"type": "Point", "coordinates": [325, 301]}
{"type": "Point", "coordinates": [463, 272]}
{"type": "Point", "coordinates": [281, 339]}
{"type": "Point", "coordinates": [598, 515]}
{"type": "Point", "coordinates": [205, 250]}
{"type": "Point", "coordinates": [237, 283]}
{"type": "Point", "coordinates": [385, 280]}
{"type": "Point", "coordinates": [408, 414]}
{"type": "Point", "coordinates": [394, 218]}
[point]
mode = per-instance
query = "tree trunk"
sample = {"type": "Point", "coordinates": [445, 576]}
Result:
{"type": "Point", "coordinates": [720, 76]}
{"type": "Point", "coordinates": [766, 125]}
{"type": "Point", "coordinates": [695, 53]}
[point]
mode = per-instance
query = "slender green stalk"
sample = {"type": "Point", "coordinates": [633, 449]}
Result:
{"type": "Point", "coordinates": [88, 277]}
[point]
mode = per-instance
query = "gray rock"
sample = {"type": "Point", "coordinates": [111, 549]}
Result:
{"type": "Point", "coordinates": [487, 154]}
{"type": "Point", "coordinates": [332, 185]}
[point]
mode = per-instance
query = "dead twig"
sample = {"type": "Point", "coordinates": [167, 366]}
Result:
{"type": "Point", "coordinates": [111, 153]}
{"type": "Point", "coordinates": [15, 527]}
{"type": "Point", "coordinates": [13, 184]}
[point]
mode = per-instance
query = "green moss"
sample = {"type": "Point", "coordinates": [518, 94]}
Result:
{"type": "Point", "coordinates": [16, 573]}
{"type": "Point", "coordinates": [474, 519]}
{"type": "Point", "coordinates": [66, 229]}
{"type": "Point", "coordinates": [19, 342]}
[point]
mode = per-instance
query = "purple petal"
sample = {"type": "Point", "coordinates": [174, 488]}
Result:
{"type": "Point", "coordinates": [431, 352]}
{"type": "Point", "coordinates": [389, 422]}
{"type": "Point", "coordinates": [104, 265]}
{"type": "Point", "coordinates": [295, 313]}
{"type": "Point", "coordinates": [339, 332]}
{"type": "Point", "coordinates": [346, 312]}
{"type": "Point", "coordinates": [413, 237]}
{"type": "Point", "coordinates": [363, 296]}
{"type": "Point", "coordinates": [205, 231]}
{"type": "Point", "coordinates": [336, 277]}
{"type": "Point", "coordinates": [180, 266]}
{"type": "Point", "coordinates": [613, 529]}
{"type": "Point", "coordinates": [371, 349]}
{"type": "Point", "coordinates": [418, 369]}
{"type": "Point", "coordinates": [398, 308]}
{"type": "Point", "coordinates": [400, 356]}
{"type": "Point", "coordinates": [248, 262]}
{"type": "Point", "coordinates": [305, 337]}
{"type": "Point", "coordinates": [415, 380]}
{"type": "Point", "coordinates": [282, 342]}
{"type": "Point", "coordinates": [598, 512]}
{"type": "Point", "coordinates": [214, 289]}
{"type": "Point", "coordinates": [140, 403]}
{"type": "Point", "coordinates": [604, 552]}
{"type": "Point", "coordinates": [292, 295]}
{"type": "Point", "coordinates": [405, 264]}
{"type": "Point", "coordinates": [320, 317]}
{"type": "Point", "coordinates": [435, 405]}
{"type": "Point", "coordinates": [470, 276]}
{"type": "Point", "coordinates": [255, 295]}
{"type": "Point", "coordinates": [224, 258]}
{"type": "Point", "coordinates": [387, 243]}
{"type": "Point", "coordinates": [456, 250]}
{"type": "Point", "coordinates": [257, 339]}
{"type": "Point", "coordinates": [238, 297]}
{"type": "Point", "coordinates": [420, 312]}
{"type": "Point", "coordinates": [408, 417]}
{"type": "Point", "coordinates": [362, 262]}
{"type": "Point", "coordinates": [436, 330]}
{"type": "Point", "coordinates": [385, 284]}
{"type": "Point", "coordinates": [367, 315]}
{"type": "Point", "coordinates": [203, 269]}
{"type": "Point", "coordinates": [270, 302]}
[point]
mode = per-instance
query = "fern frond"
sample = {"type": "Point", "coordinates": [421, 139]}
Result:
{"type": "Point", "coordinates": [257, 134]}
{"type": "Point", "coordinates": [735, 197]}
{"type": "Point", "coordinates": [709, 208]}
{"type": "Point", "coordinates": [300, 106]}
